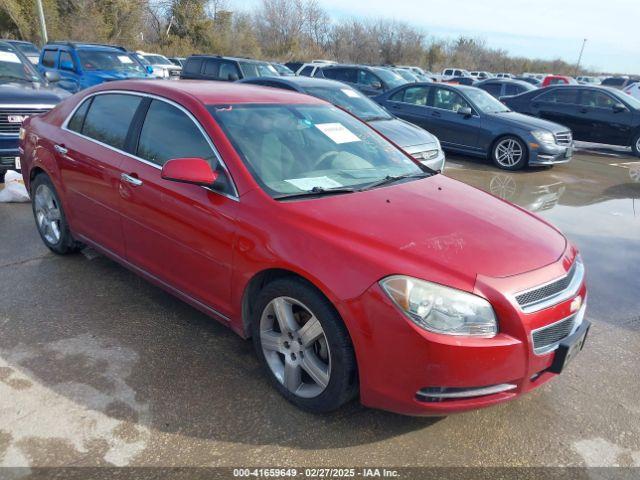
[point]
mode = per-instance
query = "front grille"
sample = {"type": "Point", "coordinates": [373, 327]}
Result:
{"type": "Point", "coordinates": [15, 115]}
{"type": "Point", "coordinates": [8, 161]}
{"type": "Point", "coordinates": [547, 291]}
{"type": "Point", "coordinates": [564, 138]}
{"type": "Point", "coordinates": [547, 338]}
{"type": "Point", "coordinates": [426, 155]}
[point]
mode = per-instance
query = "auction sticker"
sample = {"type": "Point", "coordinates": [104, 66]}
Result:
{"type": "Point", "coordinates": [337, 132]}
{"type": "Point", "coordinates": [9, 57]}
{"type": "Point", "coordinates": [310, 183]}
{"type": "Point", "coordinates": [124, 59]}
{"type": "Point", "coordinates": [350, 93]}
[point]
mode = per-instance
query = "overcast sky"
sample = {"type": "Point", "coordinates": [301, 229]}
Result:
{"type": "Point", "coordinates": [539, 29]}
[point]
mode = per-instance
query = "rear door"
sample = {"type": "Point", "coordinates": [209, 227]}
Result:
{"type": "Point", "coordinates": [181, 234]}
{"type": "Point", "coordinates": [452, 128]}
{"type": "Point", "coordinates": [599, 122]}
{"type": "Point", "coordinates": [559, 105]}
{"type": "Point", "coordinates": [89, 158]}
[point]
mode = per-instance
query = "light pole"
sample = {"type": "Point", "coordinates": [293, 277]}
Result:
{"type": "Point", "coordinates": [43, 24]}
{"type": "Point", "coordinates": [584, 42]}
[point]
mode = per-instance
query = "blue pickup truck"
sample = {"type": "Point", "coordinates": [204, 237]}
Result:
{"type": "Point", "coordinates": [23, 92]}
{"type": "Point", "coordinates": [82, 65]}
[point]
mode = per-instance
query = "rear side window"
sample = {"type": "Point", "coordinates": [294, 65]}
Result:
{"type": "Point", "coordinates": [560, 95]}
{"type": "Point", "coordinates": [49, 58]}
{"type": "Point", "coordinates": [193, 65]}
{"type": "Point", "coordinates": [109, 118]}
{"type": "Point", "coordinates": [169, 133]}
{"type": "Point", "coordinates": [513, 90]}
{"type": "Point", "coordinates": [416, 95]}
{"type": "Point", "coordinates": [228, 71]}
{"type": "Point", "coordinates": [77, 121]}
{"type": "Point", "coordinates": [493, 89]}
{"type": "Point", "coordinates": [211, 68]}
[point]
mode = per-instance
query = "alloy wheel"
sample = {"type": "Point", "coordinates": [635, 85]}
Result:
{"type": "Point", "coordinates": [48, 215]}
{"type": "Point", "coordinates": [508, 152]}
{"type": "Point", "coordinates": [295, 347]}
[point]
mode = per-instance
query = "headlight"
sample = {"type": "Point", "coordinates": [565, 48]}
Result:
{"type": "Point", "coordinates": [441, 309]}
{"type": "Point", "coordinates": [544, 137]}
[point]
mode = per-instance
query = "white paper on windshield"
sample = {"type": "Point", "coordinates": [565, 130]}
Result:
{"type": "Point", "coordinates": [124, 59]}
{"type": "Point", "coordinates": [337, 132]}
{"type": "Point", "coordinates": [308, 184]}
{"type": "Point", "coordinates": [9, 57]}
{"type": "Point", "coordinates": [350, 93]}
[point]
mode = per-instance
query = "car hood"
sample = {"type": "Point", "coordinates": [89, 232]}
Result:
{"type": "Point", "coordinates": [437, 225]}
{"type": "Point", "coordinates": [527, 122]}
{"type": "Point", "coordinates": [403, 134]}
{"type": "Point", "coordinates": [30, 94]}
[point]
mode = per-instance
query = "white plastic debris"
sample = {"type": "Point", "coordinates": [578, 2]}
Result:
{"type": "Point", "coordinates": [14, 189]}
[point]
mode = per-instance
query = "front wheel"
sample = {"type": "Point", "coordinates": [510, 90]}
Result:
{"type": "Point", "coordinates": [509, 153]}
{"type": "Point", "coordinates": [50, 218]}
{"type": "Point", "coordinates": [635, 145]}
{"type": "Point", "coordinates": [304, 346]}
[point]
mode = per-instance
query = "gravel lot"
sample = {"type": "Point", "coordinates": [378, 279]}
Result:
{"type": "Point", "coordinates": [98, 367]}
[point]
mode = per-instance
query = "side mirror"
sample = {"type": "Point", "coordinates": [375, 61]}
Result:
{"type": "Point", "coordinates": [149, 69]}
{"type": "Point", "coordinates": [66, 65]}
{"type": "Point", "coordinates": [52, 76]}
{"type": "Point", "coordinates": [465, 111]}
{"type": "Point", "coordinates": [619, 107]}
{"type": "Point", "coordinates": [376, 85]}
{"type": "Point", "coordinates": [196, 171]}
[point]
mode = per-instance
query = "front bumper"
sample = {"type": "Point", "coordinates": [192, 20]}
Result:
{"type": "Point", "coordinates": [408, 370]}
{"type": "Point", "coordinates": [9, 152]}
{"type": "Point", "coordinates": [429, 154]}
{"type": "Point", "coordinates": [542, 154]}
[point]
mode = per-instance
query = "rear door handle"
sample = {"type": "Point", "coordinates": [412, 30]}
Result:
{"type": "Point", "coordinates": [435, 114]}
{"type": "Point", "coordinates": [60, 149]}
{"type": "Point", "coordinates": [584, 110]}
{"type": "Point", "coordinates": [136, 182]}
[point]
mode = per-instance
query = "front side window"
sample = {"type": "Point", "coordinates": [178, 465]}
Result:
{"type": "Point", "coordinates": [450, 100]}
{"type": "Point", "coordinates": [595, 99]}
{"type": "Point", "coordinates": [66, 58]}
{"type": "Point", "coordinates": [168, 133]}
{"type": "Point", "coordinates": [392, 79]}
{"type": "Point", "coordinates": [493, 89]}
{"type": "Point", "coordinates": [49, 58]}
{"type": "Point", "coordinates": [291, 149]}
{"type": "Point", "coordinates": [109, 118]}
{"type": "Point", "coordinates": [107, 60]}
{"type": "Point", "coordinates": [211, 68]}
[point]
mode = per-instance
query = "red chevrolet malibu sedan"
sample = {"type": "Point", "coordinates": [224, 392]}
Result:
{"type": "Point", "coordinates": [354, 269]}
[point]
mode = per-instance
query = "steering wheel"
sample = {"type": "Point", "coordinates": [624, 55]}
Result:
{"type": "Point", "coordinates": [324, 157]}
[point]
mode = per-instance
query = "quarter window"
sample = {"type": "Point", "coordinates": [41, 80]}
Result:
{"type": "Point", "coordinates": [77, 121]}
{"type": "Point", "coordinates": [109, 118]}
{"type": "Point", "coordinates": [169, 133]}
{"type": "Point", "coordinates": [49, 58]}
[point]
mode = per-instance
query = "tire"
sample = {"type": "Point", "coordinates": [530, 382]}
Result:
{"type": "Point", "coordinates": [289, 357]}
{"type": "Point", "coordinates": [509, 153]}
{"type": "Point", "coordinates": [50, 218]}
{"type": "Point", "coordinates": [635, 145]}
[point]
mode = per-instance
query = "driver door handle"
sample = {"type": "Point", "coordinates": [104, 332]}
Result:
{"type": "Point", "coordinates": [136, 182]}
{"type": "Point", "coordinates": [60, 149]}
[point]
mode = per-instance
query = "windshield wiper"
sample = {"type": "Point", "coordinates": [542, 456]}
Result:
{"type": "Point", "coordinates": [395, 178]}
{"type": "Point", "coordinates": [316, 192]}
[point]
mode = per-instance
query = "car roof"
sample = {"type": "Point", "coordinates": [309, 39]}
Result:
{"type": "Point", "coordinates": [508, 81]}
{"type": "Point", "coordinates": [300, 81]}
{"type": "Point", "coordinates": [9, 40]}
{"type": "Point", "coordinates": [211, 92]}
{"type": "Point", "coordinates": [221, 57]}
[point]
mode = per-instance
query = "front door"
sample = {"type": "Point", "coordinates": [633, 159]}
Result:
{"type": "Point", "coordinates": [600, 122]}
{"type": "Point", "coordinates": [452, 128]}
{"type": "Point", "coordinates": [180, 233]}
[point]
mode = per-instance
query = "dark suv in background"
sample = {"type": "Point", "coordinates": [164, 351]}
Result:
{"type": "Point", "coordinates": [593, 113]}
{"type": "Point", "coordinates": [371, 81]}
{"type": "Point", "coordinates": [23, 92]}
{"type": "Point", "coordinates": [230, 69]}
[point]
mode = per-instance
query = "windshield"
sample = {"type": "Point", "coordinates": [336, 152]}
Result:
{"type": "Point", "coordinates": [628, 99]}
{"type": "Point", "coordinates": [291, 149]}
{"type": "Point", "coordinates": [13, 68]}
{"type": "Point", "coordinates": [27, 48]}
{"type": "Point", "coordinates": [282, 69]}
{"type": "Point", "coordinates": [485, 102]}
{"type": "Point", "coordinates": [157, 60]}
{"type": "Point", "coordinates": [104, 60]}
{"type": "Point", "coordinates": [352, 101]}
{"type": "Point", "coordinates": [393, 79]}
{"type": "Point", "coordinates": [408, 76]}
{"type": "Point", "coordinates": [255, 69]}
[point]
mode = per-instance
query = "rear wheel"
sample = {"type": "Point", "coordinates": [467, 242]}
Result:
{"type": "Point", "coordinates": [50, 218]}
{"type": "Point", "coordinates": [304, 346]}
{"type": "Point", "coordinates": [510, 153]}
